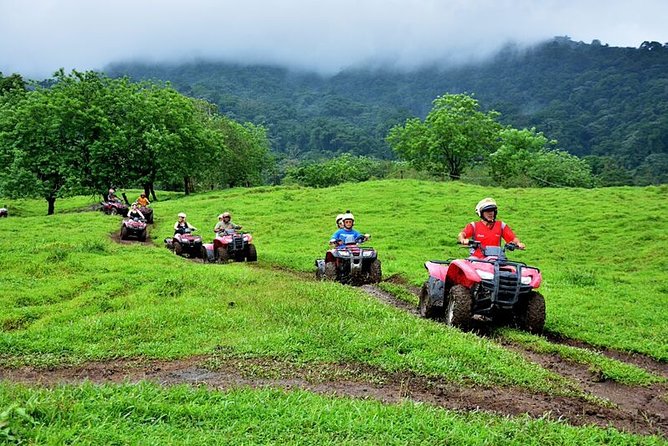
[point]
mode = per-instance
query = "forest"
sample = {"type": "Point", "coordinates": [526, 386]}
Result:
{"type": "Point", "coordinates": [606, 104]}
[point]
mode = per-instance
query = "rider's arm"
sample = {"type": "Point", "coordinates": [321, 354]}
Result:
{"type": "Point", "coordinates": [465, 234]}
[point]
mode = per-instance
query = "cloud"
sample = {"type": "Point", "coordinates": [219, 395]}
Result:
{"type": "Point", "coordinates": [38, 37]}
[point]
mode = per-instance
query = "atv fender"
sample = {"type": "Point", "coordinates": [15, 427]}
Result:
{"type": "Point", "coordinates": [437, 270]}
{"type": "Point", "coordinates": [462, 272]}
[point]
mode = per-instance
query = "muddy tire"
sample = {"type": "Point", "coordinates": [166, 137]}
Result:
{"type": "Point", "coordinates": [425, 308]}
{"type": "Point", "coordinates": [330, 271]}
{"type": "Point", "coordinates": [375, 272]}
{"type": "Point", "coordinates": [124, 233]}
{"type": "Point", "coordinates": [532, 319]}
{"type": "Point", "coordinates": [178, 249]}
{"type": "Point", "coordinates": [458, 312]}
{"type": "Point", "coordinates": [251, 253]}
{"type": "Point", "coordinates": [223, 255]}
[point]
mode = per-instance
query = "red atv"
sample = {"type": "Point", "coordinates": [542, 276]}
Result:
{"type": "Point", "coordinates": [185, 244]}
{"type": "Point", "coordinates": [114, 207]}
{"type": "Point", "coordinates": [492, 288]}
{"type": "Point", "coordinates": [230, 244]}
{"type": "Point", "coordinates": [147, 212]}
{"type": "Point", "coordinates": [351, 264]}
{"type": "Point", "coordinates": [134, 228]}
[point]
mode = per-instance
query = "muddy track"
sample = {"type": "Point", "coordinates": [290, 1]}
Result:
{"type": "Point", "coordinates": [351, 380]}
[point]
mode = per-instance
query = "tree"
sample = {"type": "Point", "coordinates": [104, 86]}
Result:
{"type": "Point", "coordinates": [525, 159]}
{"type": "Point", "coordinates": [454, 134]}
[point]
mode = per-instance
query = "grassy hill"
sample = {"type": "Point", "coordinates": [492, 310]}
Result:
{"type": "Point", "coordinates": [71, 295]}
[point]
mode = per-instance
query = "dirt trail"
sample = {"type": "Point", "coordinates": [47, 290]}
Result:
{"type": "Point", "coordinates": [352, 380]}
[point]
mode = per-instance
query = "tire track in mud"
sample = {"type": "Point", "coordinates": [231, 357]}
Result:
{"type": "Point", "coordinates": [646, 404]}
{"type": "Point", "coordinates": [344, 380]}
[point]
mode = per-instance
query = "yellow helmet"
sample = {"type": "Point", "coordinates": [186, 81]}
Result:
{"type": "Point", "coordinates": [182, 214]}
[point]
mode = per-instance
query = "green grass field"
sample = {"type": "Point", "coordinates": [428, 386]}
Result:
{"type": "Point", "coordinates": [70, 294]}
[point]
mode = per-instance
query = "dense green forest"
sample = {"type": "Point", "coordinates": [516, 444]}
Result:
{"type": "Point", "coordinates": [605, 102]}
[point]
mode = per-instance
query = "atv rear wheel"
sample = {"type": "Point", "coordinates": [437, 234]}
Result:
{"type": "Point", "coordinates": [330, 271]}
{"type": "Point", "coordinates": [223, 255]}
{"type": "Point", "coordinates": [458, 313]}
{"type": "Point", "coordinates": [426, 309]}
{"type": "Point", "coordinates": [532, 319]}
{"type": "Point", "coordinates": [251, 253]}
{"type": "Point", "coordinates": [375, 272]}
{"type": "Point", "coordinates": [124, 233]}
{"type": "Point", "coordinates": [178, 249]}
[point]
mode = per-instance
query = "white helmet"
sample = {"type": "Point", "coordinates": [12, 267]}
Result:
{"type": "Point", "coordinates": [226, 214]}
{"type": "Point", "coordinates": [348, 216]}
{"type": "Point", "coordinates": [339, 218]}
{"type": "Point", "coordinates": [182, 214]}
{"type": "Point", "coordinates": [486, 204]}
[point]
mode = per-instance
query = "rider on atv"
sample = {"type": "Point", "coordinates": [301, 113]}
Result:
{"type": "Point", "coordinates": [347, 234]}
{"type": "Point", "coordinates": [225, 223]}
{"type": "Point", "coordinates": [181, 225]}
{"type": "Point", "coordinates": [142, 200]}
{"type": "Point", "coordinates": [134, 212]}
{"type": "Point", "coordinates": [488, 231]}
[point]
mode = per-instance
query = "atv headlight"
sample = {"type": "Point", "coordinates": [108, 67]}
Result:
{"type": "Point", "coordinates": [485, 275]}
{"type": "Point", "coordinates": [344, 253]}
{"type": "Point", "coordinates": [526, 280]}
{"type": "Point", "coordinates": [367, 253]}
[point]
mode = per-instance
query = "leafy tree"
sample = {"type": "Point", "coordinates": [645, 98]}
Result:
{"type": "Point", "coordinates": [525, 159]}
{"type": "Point", "coordinates": [454, 134]}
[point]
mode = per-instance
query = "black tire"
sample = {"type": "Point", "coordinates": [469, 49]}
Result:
{"type": "Point", "coordinates": [424, 306]}
{"type": "Point", "coordinates": [330, 271]}
{"type": "Point", "coordinates": [375, 272]}
{"type": "Point", "coordinates": [124, 232]}
{"type": "Point", "coordinates": [532, 319]}
{"type": "Point", "coordinates": [458, 311]}
{"type": "Point", "coordinates": [204, 254]}
{"type": "Point", "coordinates": [223, 255]}
{"type": "Point", "coordinates": [113, 211]}
{"type": "Point", "coordinates": [143, 235]}
{"type": "Point", "coordinates": [178, 249]}
{"type": "Point", "coordinates": [251, 253]}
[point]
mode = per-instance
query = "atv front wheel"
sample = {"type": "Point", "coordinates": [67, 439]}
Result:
{"type": "Point", "coordinates": [113, 211]}
{"type": "Point", "coordinates": [330, 271]}
{"type": "Point", "coordinates": [251, 253]}
{"type": "Point", "coordinates": [223, 255]}
{"type": "Point", "coordinates": [426, 309]}
{"type": "Point", "coordinates": [204, 254]}
{"type": "Point", "coordinates": [532, 319]}
{"type": "Point", "coordinates": [375, 273]}
{"type": "Point", "coordinates": [178, 249]}
{"type": "Point", "coordinates": [142, 236]}
{"type": "Point", "coordinates": [458, 313]}
{"type": "Point", "coordinates": [124, 233]}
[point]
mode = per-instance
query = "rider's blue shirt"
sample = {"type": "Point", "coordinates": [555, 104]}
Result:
{"type": "Point", "coordinates": [345, 236]}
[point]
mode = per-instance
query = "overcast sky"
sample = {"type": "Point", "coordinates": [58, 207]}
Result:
{"type": "Point", "coordinates": [39, 36]}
